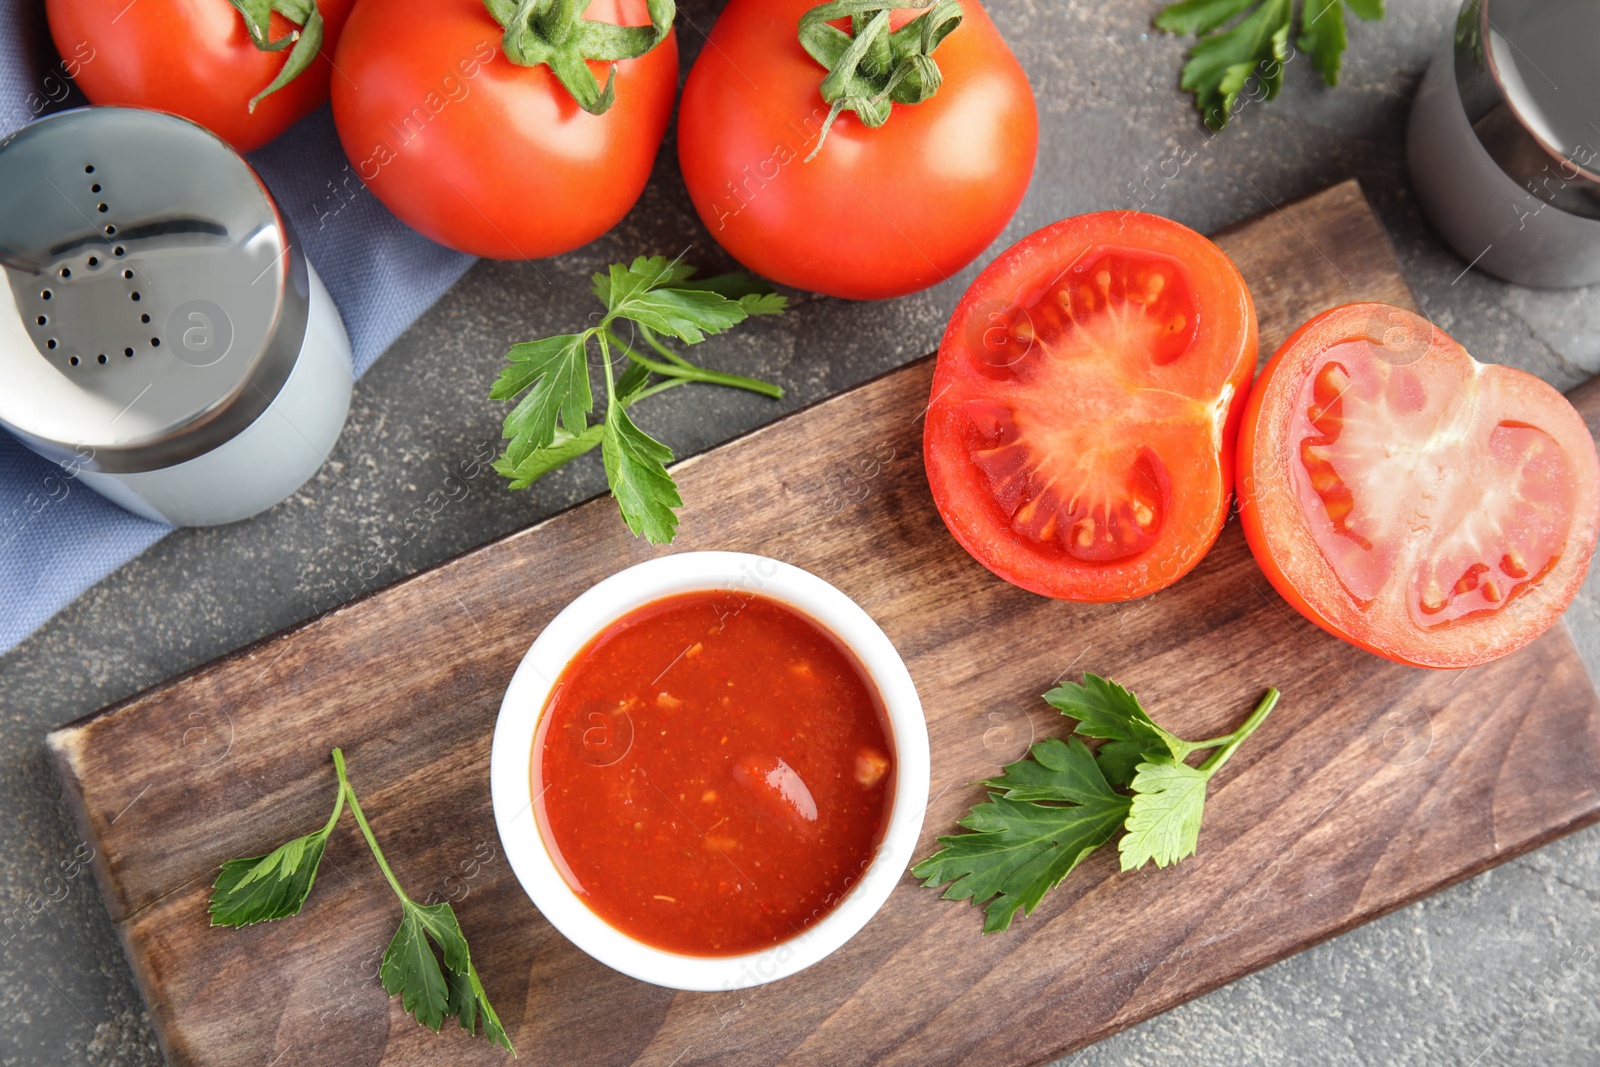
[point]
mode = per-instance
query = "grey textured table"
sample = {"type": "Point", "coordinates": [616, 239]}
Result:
{"type": "Point", "coordinates": [1501, 969]}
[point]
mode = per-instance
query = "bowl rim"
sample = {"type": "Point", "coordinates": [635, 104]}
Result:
{"type": "Point", "coordinates": [511, 784]}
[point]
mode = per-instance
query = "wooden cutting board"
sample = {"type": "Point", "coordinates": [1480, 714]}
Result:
{"type": "Point", "coordinates": [1372, 784]}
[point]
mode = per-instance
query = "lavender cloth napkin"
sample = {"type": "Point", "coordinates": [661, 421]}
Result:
{"type": "Point", "coordinates": [58, 538]}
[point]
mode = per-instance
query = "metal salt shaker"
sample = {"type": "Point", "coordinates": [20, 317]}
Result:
{"type": "Point", "coordinates": [161, 334]}
{"type": "Point", "coordinates": [1504, 142]}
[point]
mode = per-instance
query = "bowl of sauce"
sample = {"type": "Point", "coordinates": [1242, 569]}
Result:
{"type": "Point", "coordinates": [710, 770]}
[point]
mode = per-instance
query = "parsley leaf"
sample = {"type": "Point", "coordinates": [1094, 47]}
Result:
{"type": "Point", "coordinates": [1168, 800]}
{"type": "Point", "coordinates": [636, 467]}
{"type": "Point", "coordinates": [1048, 811]}
{"type": "Point", "coordinates": [523, 471]}
{"type": "Point", "coordinates": [764, 303]}
{"type": "Point", "coordinates": [262, 888]}
{"type": "Point", "coordinates": [1322, 31]}
{"type": "Point", "coordinates": [754, 295]}
{"type": "Point", "coordinates": [274, 886]}
{"type": "Point", "coordinates": [646, 292]}
{"type": "Point", "coordinates": [411, 971]}
{"type": "Point", "coordinates": [1106, 710]}
{"type": "Point", "coordinates": [1322, 36]}
{"type": "Point", "coordinates": [1222, 62]}
{"type": "Point", "coordinates": [1199, 16]}
{"type": "Point", "coordinates": [1057, 771]}
{"type": "Point", "coordinates": [687, 314]}
{"type": "Point", "coordinates": [467, 999]}
{"type": "Point", "coordinates": [550, 424]}
{"type": "Point", "coordinates": [557, 370]}
{"type": "Point", "coordinates": [1019, 849]}
{"type": "Point", "coordinates": [620, 281]}
{"type": "Point", "coordinates": [1169, 797]}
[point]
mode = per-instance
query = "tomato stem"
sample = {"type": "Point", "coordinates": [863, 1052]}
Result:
{"type": "Point", "coordinates": [306, 39]}
{"type": "Point", "coordinates": [555, 34]}
{"type": "Point", "coordinates": [871, 68]}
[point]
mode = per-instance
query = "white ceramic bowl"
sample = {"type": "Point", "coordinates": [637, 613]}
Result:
{"type": "Point", "coordinates": [511, 782]}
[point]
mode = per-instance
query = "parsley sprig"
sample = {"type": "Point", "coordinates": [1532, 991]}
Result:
{"type": "Point", "coordinates": [1222, 62]}
{"type": "Point", "coordinates": [650, 298]}
{"type": "Point", "coordinates": [275, 886]}
{"type": "Point", "coordinates": [1046, 813]}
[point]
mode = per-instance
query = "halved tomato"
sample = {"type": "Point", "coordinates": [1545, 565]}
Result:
{"type": "Point", "coordinates": [1409, 499]}
{"type": "Point", "coordinates": [1079, 441]}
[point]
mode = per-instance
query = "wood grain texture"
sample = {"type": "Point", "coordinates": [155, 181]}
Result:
{"type": "Point", "coordinates": [1371, 785]}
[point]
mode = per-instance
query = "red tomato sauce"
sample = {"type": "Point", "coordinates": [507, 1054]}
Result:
{"type": "Point", "coordinates": [713, 773]}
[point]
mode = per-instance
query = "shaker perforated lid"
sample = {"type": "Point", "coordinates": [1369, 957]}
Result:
{"type": "Point", "coordinates": [155, 301]}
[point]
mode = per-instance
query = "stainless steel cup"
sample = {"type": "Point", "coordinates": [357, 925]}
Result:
{"type": "Point", "coordinates": [161, 334]}
{"type": "Point", "coordinates": [1504, 140]}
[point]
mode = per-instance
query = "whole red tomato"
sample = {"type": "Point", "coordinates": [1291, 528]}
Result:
{"type": "Point", "coordinates": [192, 58]}
{"type": "Point", "coordinates": [1401, 495]}
{"type": "Point", "coordinates": [489, 156]}
{"type": "Point", "coordinates": [878, 212]}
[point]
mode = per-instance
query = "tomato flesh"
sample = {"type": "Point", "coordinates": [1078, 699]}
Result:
{"type": "Point", "coordinates": [1083, 404]}
{"type": "Point", "coordinates": [1081, 343]}
{"type": "Point", "coordinates": [1431, 508]}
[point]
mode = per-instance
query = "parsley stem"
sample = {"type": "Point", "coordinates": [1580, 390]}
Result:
{"type": "Point", "coordinates": [659, 387]}
{"type": "Point", "coordinates": [654, 342]}
{"type": "Point", "coordinates": [345, 788]}
{"type": "Point", "coordinates": [711, 377]}
{"type": "Point", "coordinates": [1257, 717]}
{"type": "Point", "coordinates": [1210, 742]}
{"type": "Point", "coordinates": [338, 801]}
{"type": "Point", "coordinates": [681, 368]}
{"type": "Point", "coordinates": [605, 360]}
